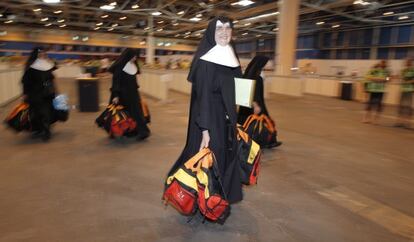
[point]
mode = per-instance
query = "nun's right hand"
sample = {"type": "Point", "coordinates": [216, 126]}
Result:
{"type": "Point", "coordinates": [115, 100]}
{"type": "Point", "coordinates": [205, 140]}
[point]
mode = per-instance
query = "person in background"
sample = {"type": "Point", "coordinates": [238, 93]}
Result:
{"type": "Point", "coordinates": [255, 71]}
{"type": "Point", "coordinates": [39, 91]}
{"type": "Point", "coordinates": [375, 87]}
{"type": "Point", "coordinates": [124, 90]}
{"type": "Point", "coordinates": [407, 89]}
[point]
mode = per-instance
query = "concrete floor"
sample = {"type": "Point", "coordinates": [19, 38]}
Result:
{"type": "Point", "coordinates": [334, 179]}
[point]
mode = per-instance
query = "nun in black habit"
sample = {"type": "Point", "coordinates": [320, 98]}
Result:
{"type": "Point", "coordinates": [124, 90]}
{"type": "Point", "coordinates": [213, 114]}
{"type": "Point", "coordinates": [39, 92]}
{"type": "Point", "coordinates": [253, 71]}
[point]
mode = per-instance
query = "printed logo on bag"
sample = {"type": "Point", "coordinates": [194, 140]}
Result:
{"type": "Point", "coordinates": [181, 195]}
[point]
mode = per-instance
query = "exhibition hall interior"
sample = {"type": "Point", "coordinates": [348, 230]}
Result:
{"type": "Point", "coordinates": [207, 120]}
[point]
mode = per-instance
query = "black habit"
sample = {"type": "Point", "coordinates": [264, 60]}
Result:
{"type": "Point", "coordinates": [213, 108]}
{"type": "Point", "coordinates": [125, 87]}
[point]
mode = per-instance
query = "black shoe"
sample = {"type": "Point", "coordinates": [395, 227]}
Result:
{"type": "Point", "coordinates": [36, 134]}
{"type": "Point", "coordinates": [143, 136]}
{"type": "Point", "coordinates": [46, 136]}
{"type": "Point", "coordinates": [274, 145]}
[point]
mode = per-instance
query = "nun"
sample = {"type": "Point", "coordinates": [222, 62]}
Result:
{"type": "Point", "coordinates": [39, 92]}
{"type": "Point", "coordinates": [124, 90]}
{"type": "Point", "coordinates": [213, 115]}
{"type": "Point", "coordinates": [254, 71]}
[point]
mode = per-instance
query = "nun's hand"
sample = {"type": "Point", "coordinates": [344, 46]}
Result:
{"type": "Point", "coordinates": [256, 108]}
{"type": "Point", "coordinates": [205, 140]}
{"type": "Point", "coordinates": [115, 100]}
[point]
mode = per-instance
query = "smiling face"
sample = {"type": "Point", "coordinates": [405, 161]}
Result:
{"type": "Point", "coordinates": [223, 33]}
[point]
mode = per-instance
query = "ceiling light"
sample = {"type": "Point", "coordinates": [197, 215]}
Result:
{"type": "Point", "coordinates": [275, 29]}
{"type": "Point", "coordinates": [320, 23]}
{"type": "Point", "coordinates": [243, 3]}
{"type": "Point", "coordinates": [1, 15]}
{"type": "Point", "coordinates": [3, 33]}
{"type": "Point", "coordinates": [159, 30]}
{"type": "Point", "coordinates": [245, 33]}
{"type": "Point", "coordinates": [112, 4]}
{"type": "Point", "coordinates": [188, 33]}
{"type": "Point", "coordinates": [75, 37]}
{"type": "Point", "coordinates": [262, 16]}
{"type": "Point", "coordinates": [195, 19]}
{"type": "Point", "coordinates": [99, 24]}
{"type": "Point", "coordinates": [336, 26]}
{"type": "Point", "coordinates": [175, 24]}
{"type": "Point", "coordinates": [135, 6]}
{"type": "Point", "coordinates": [160, 22]}
{"type": "Point", "coordinates": [403, 17]}
{"type": "Point", "coordinates": [107, 7]}
{"type": "Point", "coordinates": [86, 38]}
{"type": "Point", "coordinates": [160, 44]}
{"type": "Point", "coordinates": [142, 43]}
{"type": "Point", "coordinates": [37, 9]}
{"type": "Point", "coordinates": [110, 29]}
{"type": "Point", "coordinates": [156, 13]}
{"type": "Point", "coordinates": [97, 28]}
{"type": "Point", "coordinates": [44, 19]}
{"type": "Point", "coordinates": [49, 24]}
{"type": "Point", "coordinates": [247, 24]}
{"type": "Point", "coordinates": [258, 35]}
{"type": "Point", "coordinates": [181, 13]}
{"type": "Point", "coordinates": [235, 21]}
{"type": "Point", "coordinates": [388, 13]}
{"type": "Point", "coordinates": [199, 15]}
{"type": "Point", "coordinates": [123, 18]}
{"type": "Point", "coordinates": [177, 35]}
{"type": "Point", "coordinates": [361, 2]}
{"type": "Point", "coordinates": [197, 34]}
{"type": "Point", "coordinates": [62, 26]}
{"type": "Point", "coordinates": [57, 11]}
{"type": "Point", "coordinates": [114, 25]}
{"type": "Point", "coordinates": [168, 44]}
{"type": "Point", "coordinates": [8, 22]}
{"type": "Point", "coordinates": [147, 28]}
{"type": "Point", "coordinates": [187, 36]}
{"type": "Point", "coordinates": [51, 1]}
{"type": "Point", "coordinates": [105, 16]}
{"type": "Point", "coordinates": [61, 20]}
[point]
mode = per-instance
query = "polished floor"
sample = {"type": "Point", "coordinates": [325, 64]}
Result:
{"type": "Point", "coordinates": [334, 179]}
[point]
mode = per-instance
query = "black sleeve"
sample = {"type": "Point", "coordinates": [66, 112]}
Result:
{"type": "Point", "coordinates": [116, 83]}
{"type": "Point", "coordinates": [26, 83]}
{"type": "Point", "coordinates": [259, 92]}
{"type": "Point", "coordinates": [204, 83]}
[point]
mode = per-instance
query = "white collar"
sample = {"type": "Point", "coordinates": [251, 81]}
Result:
{"type": "Point", "coordinates": [222, 55]}
{"type": "Point", "coordinates": [42, 64]}
{"type": "Point", "coordinates": [130, 68]}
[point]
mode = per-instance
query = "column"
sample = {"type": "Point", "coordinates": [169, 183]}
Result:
{"type": "Point", "coordinates": [150, 51]}
{"type": "Point", "coordinates": [285, 55]}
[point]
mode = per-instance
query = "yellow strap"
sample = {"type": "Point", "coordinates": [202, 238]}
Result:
{"type": "Point", "coordinates": [184, 178]}
{"type": "Point", "coordinates": [192, 162]}
{"type": "Point", "coordinates": [254, 150]}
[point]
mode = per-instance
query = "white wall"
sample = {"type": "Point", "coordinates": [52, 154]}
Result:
{"type": "Point", "coordinates": [10, 85]}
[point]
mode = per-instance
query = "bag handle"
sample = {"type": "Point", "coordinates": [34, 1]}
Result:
{"type": "Point", "coordinates": [192, 162]}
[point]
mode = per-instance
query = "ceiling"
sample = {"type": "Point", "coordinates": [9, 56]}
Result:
{"type": "Point", "coordinates": [132, 17]}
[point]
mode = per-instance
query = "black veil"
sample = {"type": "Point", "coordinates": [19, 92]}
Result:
{"type": "Point", "coordinates": [123, 59]}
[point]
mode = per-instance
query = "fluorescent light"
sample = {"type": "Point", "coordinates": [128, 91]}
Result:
{"type": "Point", "coordinates": [336, 26]}
{"type": "Point", "coordinates": [8, 22]}
{"type": "Point", "coordinates": [195, 19]}
{"type": "Point", "coordinates": [403, 17]}
{"type": "Point", "coordinates": [188, 33]}
{"type": "Point", "coordinates": [75, 37]}
{"type": "Point", "coordinates": [110, 29]}
{"type": "Point", "coordinates": [243, 3]}
{"type": "Point", "coordinates": [258, 35]}
{"type": "Point", "coordinates": [1, 15]}
{"type": "Point", "coordinates": [135, 6]}
{"type": "Point", "coordinates": [49, 24]}
{"type": "Point", "coordinates": [142, 43]}
{"type": "Point", "coordinates": [147, 28]}
{"type": "Point", "coordinates": [85, 38]}
{"type": "Point", "coordinates": [112, 4]}
{"type": "Point", "coordinates": [44, 19]}
{"type": "Point", "coordinates": [199, 15]}
{"type": "Point", "coordinates": [275, 29]}
{"type": "Point", "coordinates": [235, 21]}
{"type": "Point", "coordinates": [156, 13]}
{"type": "Point", "coordinates": [61, 21]}
{"type": "Point", "coordinates": [160, 44]}
{"type": "Point", "coordinates": [197, 34]}
{"type": "Point", "coordinates": [62, 26]}
{"type": "Point", "coordinates": [123, 18]}
{"type": "Point", "coordinates": [168, 44]}
{"type": "Point", "coordinates": [57, 11]}
{"type": "Point", "coordinates": [177, 35]}
{"type": "Point", "coordinates": [245, 33]}
{"type": "Point", "coordinates": [37, 9]}
{"type": "Point", "coordinates": [107, 7]}
{"type": "Point", "coordinates": [388, 13]}
{"type": "Point", "coordinates": [97, 28]}
{"type": "Point", "coordinates": [159, 30]}
{"type": "Point", "coordinates": [160, 22]}
{"type": "Point", "coordinates": [187, 36]}
{"type": "Point", "coordinates": [175, 24]}
{"type": "Point", "coordinates": [247, 24]}
{"type": "Point", "coordinates": [105, 16]}
{"type": "Point", "coordinates": [51, 1]}
{"type": "Point", "coordinates": [99, 24]}
{"type": "Point", "coordinates": [262, 16]}
{"type": "Point", "coordinates": [181, 13]}
{"type": "Point", "coordinates": [362, 2]}
{"type": "Point", "coordinates": [320, 23]}
{"type": "Point", "coordinates": [114, 25]}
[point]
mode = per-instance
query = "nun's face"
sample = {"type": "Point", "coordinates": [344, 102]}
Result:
{"type": "Point", "coordinates": [223, 33]}
{"type": "Point", "coordinates": [42, 55]}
